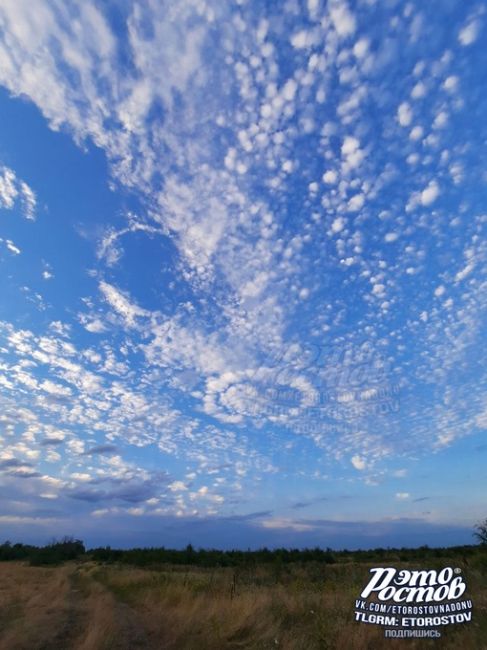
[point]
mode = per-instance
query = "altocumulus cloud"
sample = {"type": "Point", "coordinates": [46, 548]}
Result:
{"type": "Point", "coordinates": [296, 294]}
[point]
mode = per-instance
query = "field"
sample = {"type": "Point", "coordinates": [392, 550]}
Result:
{"type": "Point", "coordinates": [86, 605]}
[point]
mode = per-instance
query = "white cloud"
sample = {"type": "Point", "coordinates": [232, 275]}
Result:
{"type": "Point", "coordinates": [358, 462]}
{"type": "Point", "coordinates": [29, 201]}
{"type": "Point", "coordinates": [402, 496]}
{"type": "Point", "coordinates": [430, 193]}
{"type": "Point", "coordinates": [313, 6]}
{"type": "Point", "coordinates": [350, 145]}
{"type": "Point", "coordinates": [289, 90]}
{"type": "Point", "coordinates": [338, 225]}
{"type": "Point", "coordinates": [81, 476]}
{"type": "Point", "coordinates": [8, 189]}
{"type": "Point", "coordinates": [468, 34]}
{"type": "Point", "coordinates": [356, 203]}
{"type": "Point", "coordinates": [11, 246]}
{"type": "Point", "coordinates": [404, 114]}
{"type": "Point", "coordinates": [177, 486]}
{"type": "Point", "coordinates": [121, 304]}
{"type": "Point", "coordinates": [461, 275]}
{"type": "Point", "coordinates": [54, 388]}
{"type": "Point", "coordinates": [416, 133]}
{"type": "Point", "coordinates": [351, 153]}
{"type": "Point", "coordinates": [457, 173]}
{"type": "Point", "coordinates": [418, 91]}
{"type": "Point", "coordinates": [302, 39]}
{"type": "Point", "coordinates": [330, 177]}
{"type": "Point", "coordinates": [440, 120]}
{"type": "Point", "coordinates": [439, 291]}
{"type": "Point", "coordinates": [14, 190]}
{"type": "Point", "coordinates": [451, 83]}
{"type": "Point", "coordinates": [95, 326]}
{"type": "Point", "coordinates": [343, 20]}
{"type": "Point", "coordinates": [282, 523]}
{"type": "Point", "coordinates": [361, 48]}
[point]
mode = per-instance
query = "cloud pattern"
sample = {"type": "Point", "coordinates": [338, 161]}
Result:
{"type": "Point", "coordinates": [311, 176]}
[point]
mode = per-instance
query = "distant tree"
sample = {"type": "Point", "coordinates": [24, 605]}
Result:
{"type": "Point", "coordinates": [57, 552]}
{"type": "Point", "coordinates": [481, 532]}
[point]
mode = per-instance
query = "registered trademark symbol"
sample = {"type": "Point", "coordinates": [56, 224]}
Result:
{"type": "Point", "coordinates": [458, 570]}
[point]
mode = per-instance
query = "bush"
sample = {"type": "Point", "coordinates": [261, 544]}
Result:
{"type": "Point", "coordinates": [481, 532]}
{"type": "Point", "coordinates": [57, 552]}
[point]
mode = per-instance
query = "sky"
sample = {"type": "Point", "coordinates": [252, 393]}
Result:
{"type": "Point", "coordinates": [243, 259]}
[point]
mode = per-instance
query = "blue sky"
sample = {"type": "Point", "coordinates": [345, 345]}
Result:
{"type": "Point", "coordinates": [243, 249]}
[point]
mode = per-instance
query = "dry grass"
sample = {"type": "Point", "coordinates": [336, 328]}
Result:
{"type": "Point", "coordinates": [90, 607]}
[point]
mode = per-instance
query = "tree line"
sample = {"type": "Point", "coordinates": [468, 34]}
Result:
{"type": "Point", "coordinates": [68, 548]}
{"type": "Point", "coordinates": [55, 552]}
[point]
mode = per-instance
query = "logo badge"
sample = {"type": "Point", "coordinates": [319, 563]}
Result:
{"type": "Point", "coordinates": [412, 604]}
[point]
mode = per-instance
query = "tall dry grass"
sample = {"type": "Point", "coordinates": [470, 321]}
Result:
{"type": "Point", "coordinates": [294, 608]}
{"type": "Point", "coordinates": [94, 607]}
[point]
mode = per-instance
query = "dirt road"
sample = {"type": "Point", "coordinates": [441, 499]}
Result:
{"type": "Point", "coordinates": [62, 609]}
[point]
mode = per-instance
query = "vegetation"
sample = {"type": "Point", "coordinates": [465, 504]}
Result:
{"type": "Point", "coordinates": [70, 549]}
{"type": "Point", "coordinates": [481, 532]}
{"type": "Point", "coordinates": [210, 557]}
{"type": "Point", "coordinates": [65, 597]}
{"type": "Point", "coordinates": [299, 605]}
{"type": "Point", "coordinates": [53, 553]}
